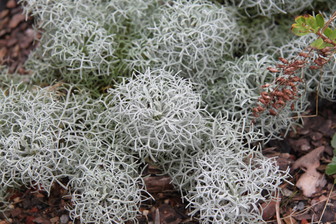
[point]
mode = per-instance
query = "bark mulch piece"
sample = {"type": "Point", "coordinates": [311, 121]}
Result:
{"type": "Point", "coordinates": [17, 36]}
{"type": "Point", "coordinates": [28, 206]}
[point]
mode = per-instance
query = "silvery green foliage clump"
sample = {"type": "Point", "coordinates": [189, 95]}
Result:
{"type": "Point", "coordinates": [265, 35]}
{"type": "Point", "coordinates": [238, 89]}
{"type": "Point", "coordinates": [233, 177]}
{"type": "Point", "coordinates": [268, 8]}
{"type": "Point", "coordinates": [229, 185]}
{"type": "Point", "coordinates": [189, 36]}
{"type": "Point", "coordinates": [84, 41]}
{"type": "Point", "coordinates": [222, 134]}
{"type": "Point", "coordinates": [31, 134]}
{"type": "Point", "coordinates": [43, 132]}
{"type": "Point", "coordinates": [98, 143]}
{"type": "Point", "coordinates": [157, 112]}
{"type": "Point", "coordinates": [108, 190]}
{"type": "Point", "coordinates": [73, 42]}
{"type": "Point", "coordinates": [181, 167]}
{"type": "Point", "coordinates": [52, 133]}
{"type": "Point", "coordinates": [291, 48]}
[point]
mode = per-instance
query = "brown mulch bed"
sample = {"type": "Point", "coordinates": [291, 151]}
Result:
{"type": "Point", "coordinates": [28, 206]}
{"type": "Point", "coordinates": [16, 36]}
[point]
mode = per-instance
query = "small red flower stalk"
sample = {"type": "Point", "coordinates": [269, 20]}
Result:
{"type": "Point", "coordinates": [285, 90]}
{"type": "Point", "coordinates": [285, 87]}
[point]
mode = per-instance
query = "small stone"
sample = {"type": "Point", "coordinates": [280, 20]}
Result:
{"type": "Point", "coordinates": [300, 206]}
{"type": "Point", "coordinates": [64, 219]}
{"type": "Point", "coordinates": [41, 220]}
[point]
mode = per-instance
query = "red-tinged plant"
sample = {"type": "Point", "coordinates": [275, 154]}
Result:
{"type": "Point", "coordinates": [285, 87]}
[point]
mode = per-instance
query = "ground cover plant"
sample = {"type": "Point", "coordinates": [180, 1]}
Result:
{"type": "Point", "coordinates": [175, 83]}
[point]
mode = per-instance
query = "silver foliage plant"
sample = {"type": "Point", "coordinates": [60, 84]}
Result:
{"type": "Point", "coordinates": [230, 179]}
{"type": "Point", "coordinates": [42, 132]}
{"type": "Point", "coordinates": [84, 41]}
{"type": "Point", "coordinates": [265, 35]}
{"type": "Point", "coordinates": [191, 71]}
{"type": "Point", "coordinates": [30, 142]}
{"type": "Point", "coordinates": [107, 190]}
{"type": "Point", "coordinates": [153, 104]}
{"type": "Point", "coordinates": [52, 133]}
{"type": "Point", "coordinates": [156, 112]}
{"type": "Point", "coordinates": [221, 131]}
{"type": "Point", "coordinates": [190, 37]}
{"type": "Point", "coordinates": [229, 185]}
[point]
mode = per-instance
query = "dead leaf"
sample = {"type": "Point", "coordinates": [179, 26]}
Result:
{"type": "Point", "coordinates": [312, 159]}
{"type": "Point", "coordinates": [311, 180]}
